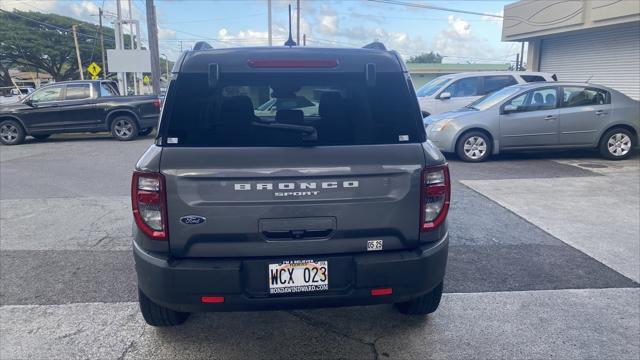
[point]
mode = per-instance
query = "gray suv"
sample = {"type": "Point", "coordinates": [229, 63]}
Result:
{"type": "Point", "coordinates": [346, 205]}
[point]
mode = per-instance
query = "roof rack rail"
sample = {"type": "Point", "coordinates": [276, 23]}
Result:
{"type": "Point", "coordinates": [377, 45]}
{"type": "Point", "coordinates": [202, 45]}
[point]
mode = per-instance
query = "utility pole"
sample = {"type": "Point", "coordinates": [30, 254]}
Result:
{"type": "Point", "coordinates": [517, 68]}
{"type": "Point", "coordinates": [104, 62]}
{"type": "Point", "coordinates": [132, 40]}
{"type": "Point", "coordinates": [75, 40]}
{"type": "Point", "coordinates": [122, 77]}
{"type": "Point", "coordinates": [304, 39]}
{"type": "Point", "coordinates": [180, 46]}
{"type": "Point", "coordinates": [152, 30]}
{"type": "Point", "coordinates": [269, 24]}
{"type": "Point", "coordinates": [521, 55]}
{"type": "Point", "coordinates": [298, 21]}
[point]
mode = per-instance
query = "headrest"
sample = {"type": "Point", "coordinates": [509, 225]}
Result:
{"type": "Point", "coordinates": [289, 116]}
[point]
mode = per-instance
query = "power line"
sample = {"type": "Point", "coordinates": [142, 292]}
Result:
{"type": "Point", "coordinates": [49, 25]}
{"type": "Point", "coordinates": [432, 7]}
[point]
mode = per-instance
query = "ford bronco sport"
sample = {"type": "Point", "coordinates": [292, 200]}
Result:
{"type": "Point", "coordinates": [344, 204]}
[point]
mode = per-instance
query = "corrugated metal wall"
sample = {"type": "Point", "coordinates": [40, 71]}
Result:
{"type": "Point", "coordinates": [610, 54]}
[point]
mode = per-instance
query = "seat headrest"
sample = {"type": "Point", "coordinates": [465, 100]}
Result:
{"type": "Point", "coordinates": [240, 104]}
{"type": "Point", "coordinates": [329, 101]}
{"type": "Point", "coordinates": [290, 116]}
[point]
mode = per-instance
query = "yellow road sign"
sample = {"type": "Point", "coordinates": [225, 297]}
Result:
{"type": "Point", "coordinates": [94, 77]}
{"type": "Point", "coordinates": [146, 80]}
{"type": "Point", "coordinates": [94, 69]}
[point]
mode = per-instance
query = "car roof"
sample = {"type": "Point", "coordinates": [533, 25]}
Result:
{"type": "Point", "coordinates": [236, 59]}
{"type": "Point", "coordinates": [66, 82]}
{"type": "Point", "coordinates": [489, 73]}
{"type": "Point", "coordinates": [560, 83]}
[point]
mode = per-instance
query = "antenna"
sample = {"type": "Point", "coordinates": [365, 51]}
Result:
{"type": "Point", "coordinates": [589, 79]}
{"type": "Point", "coordinates": [290, 41]}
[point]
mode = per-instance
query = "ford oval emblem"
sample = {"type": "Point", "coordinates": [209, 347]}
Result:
{"type": "Point", "coordinates": [192, 220]}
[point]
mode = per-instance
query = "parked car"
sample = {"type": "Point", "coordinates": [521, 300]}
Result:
{"type": "Point", "coordinates": [246, 212]}
{"type": "Point", "coordinates": [540, 116]}
{"type": "Point", "coordinates": [451, 92]}
{"type": "Point", "coordinates": [78, 106]}
{"type": "Point", "coordinates": [271, 107]}
{"type": "Point", "coordinates": [10, 95]}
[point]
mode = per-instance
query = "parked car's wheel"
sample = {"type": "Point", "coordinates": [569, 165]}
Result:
{"type": "Point", "coordinates": [41, 136]}
{"type": "Point", "coordinates": [11, 132]}
{"type": "Point", "coordinates": [124, 128]}
{"type": "Point", "coordinates": [145, 132]}
{"type": "Point", "coordinates": [617, 144]}
{"type": "Point", "coordinates": [156, 315]}
{"type": "Point", "coordinates": [474, 146]}
{"type": "Point", "coordinates": [425, 304]}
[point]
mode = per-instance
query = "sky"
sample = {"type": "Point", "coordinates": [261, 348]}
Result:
{"type": "Point", "coordinates": [460, 37]}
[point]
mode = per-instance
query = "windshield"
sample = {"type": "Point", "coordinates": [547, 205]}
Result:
{"type": "Point", "coordinates": [251, 110]}
{"type": "Point", "coordinates": [494, 98]}
{"type": "Point", "coordinates": [432, 87]}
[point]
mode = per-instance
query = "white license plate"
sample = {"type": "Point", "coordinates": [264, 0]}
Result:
{"type": "Point", "coordinates": [298, 276]}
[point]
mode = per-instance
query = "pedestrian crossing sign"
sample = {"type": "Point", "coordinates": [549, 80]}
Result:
{"type": "Point", "coordinates": [94, 69]}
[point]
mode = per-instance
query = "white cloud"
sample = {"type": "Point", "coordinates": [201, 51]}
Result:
{"type": "Point", "coordinates": [327, 21]}
{"type": "Point", "coordinates": [165, 34]}
{"type": "Point", "coordinates": [28, 5]}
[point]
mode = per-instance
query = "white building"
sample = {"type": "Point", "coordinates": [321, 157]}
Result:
{"type": "Point", "coordinates": [595, 40]}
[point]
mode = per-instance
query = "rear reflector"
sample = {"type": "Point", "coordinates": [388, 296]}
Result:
{"type": "Point", "coordinates": [292, 63]}
{"type": "Point", "coordinates": [381, 292]}
{"type": "Point", "coordinates": [213, 299]}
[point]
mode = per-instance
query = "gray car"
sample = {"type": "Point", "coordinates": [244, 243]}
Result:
{"type": "Point", "coordinates": [540, 116]}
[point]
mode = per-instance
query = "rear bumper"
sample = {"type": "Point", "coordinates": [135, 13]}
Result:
{"type": "Point", "coordinates": [180, 284]}
{"type": "Point", "coordinates": [149, 120]}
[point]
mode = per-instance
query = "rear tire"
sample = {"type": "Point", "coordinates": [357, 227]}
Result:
{"type": "Point", "coordinates": [156, 315]}
{"type": "Point", "coordinates": [11, 132]}
{"type": "Point", "coordinates": [124, 128]}
{"type": "Point", "coordinates": [474, 146]}
{"type": "Point", "coordinates": [617, 144]}
{"type": "Point", "coordinates": [423, 305]}
{"type": "Point", "coordinates": [41, 136]}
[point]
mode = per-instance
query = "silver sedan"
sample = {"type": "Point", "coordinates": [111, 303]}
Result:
{"type": "Point", "coordinates": [540, 116]}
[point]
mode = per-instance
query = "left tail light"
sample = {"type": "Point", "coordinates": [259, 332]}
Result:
{"type": "Point", "coordinates": [157, 103]}
{"type": "Point", "coordinates": [149, 203]}
{"type": "Point", "coordinates": [435, 196]}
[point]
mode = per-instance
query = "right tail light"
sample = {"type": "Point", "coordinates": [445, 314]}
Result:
{"type": "Point", "coordinates": [148, 201]}
{"type": "Point", "coordinates": [435, 196]}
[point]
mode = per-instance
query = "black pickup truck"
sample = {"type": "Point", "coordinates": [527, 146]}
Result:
{"type": "Point", "coordinates": [78, 106]}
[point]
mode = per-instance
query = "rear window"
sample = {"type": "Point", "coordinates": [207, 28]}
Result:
{"type": "Point", "coordinates": [256, 110]}
{"type": "Point", "coordinates": [533, 78]}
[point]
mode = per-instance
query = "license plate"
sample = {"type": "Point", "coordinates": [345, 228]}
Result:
{"type": "Point", "coordinates": [298, 276]}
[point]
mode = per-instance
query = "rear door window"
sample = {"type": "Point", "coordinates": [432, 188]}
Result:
{"type": "Point", "coordinates": [497, 82]}
{"type": "Point", "coordinates": [581, 96]}
{"type": "Point", "coordinates": [77, 92]}
{"type": "Point", "coordinates": [255, 110]}
{"type": "Point", "coordinates": [464, 87]}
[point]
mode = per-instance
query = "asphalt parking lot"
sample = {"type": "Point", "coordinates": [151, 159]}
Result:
{"type": "Point", "coordinates": [544, 262]}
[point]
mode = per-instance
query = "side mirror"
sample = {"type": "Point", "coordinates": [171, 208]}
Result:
{"type": "Point", "coordinates": [29, 102]}
{"type": "Point", "coordinates": [509, 109]}
{"type": "Point", "coordinates": [445, 95]}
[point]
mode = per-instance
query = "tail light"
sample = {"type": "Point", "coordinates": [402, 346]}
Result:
{"type": "Point", "coordinates": [324, 63]}
{"type": "Point", "coordinates": [434, 199]}
{"type": "Point", "coordinates": [149, 204]}
{"type": "Point", "coordinates": [157, 103]}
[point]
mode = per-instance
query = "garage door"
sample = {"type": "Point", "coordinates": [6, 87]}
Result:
{"type": "Point", "coordinates": [608, 55]}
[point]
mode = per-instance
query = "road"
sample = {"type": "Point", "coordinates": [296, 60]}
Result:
{"type": "Point", "coordinates": [544, 262]}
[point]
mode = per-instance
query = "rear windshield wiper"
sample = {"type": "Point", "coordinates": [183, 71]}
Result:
{"type": "Point", "coordinates": [309, 133]}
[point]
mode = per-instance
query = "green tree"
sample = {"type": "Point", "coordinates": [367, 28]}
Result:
{"type": "Point", "coordinates": [426, 58]}
{"type": "Point", "coordinates": [44, 42]}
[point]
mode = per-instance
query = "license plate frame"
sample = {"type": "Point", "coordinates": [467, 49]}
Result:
{"type": "Point", "coordinates": [297, 276]}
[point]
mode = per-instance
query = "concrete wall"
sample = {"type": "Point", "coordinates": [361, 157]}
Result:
{"type": "Point", "coordinates": [529, 19]}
